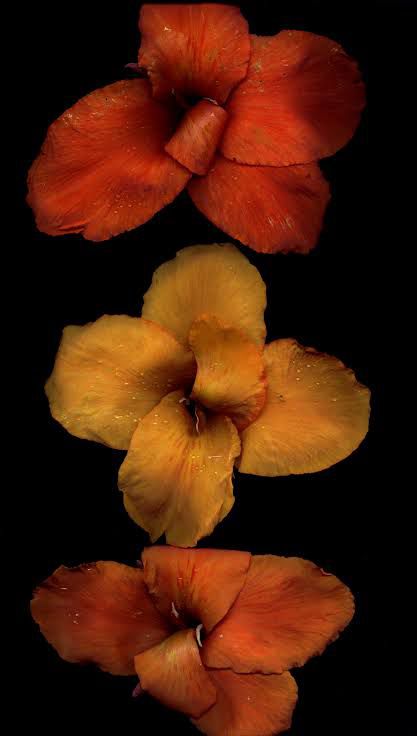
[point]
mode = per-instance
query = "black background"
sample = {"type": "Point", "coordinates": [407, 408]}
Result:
{"type": "Point", "coordinates": [67, 508]}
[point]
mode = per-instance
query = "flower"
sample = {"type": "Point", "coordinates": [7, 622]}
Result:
{"type": "Point", "coordinates": [239, 120]}
{"type": "Point", "coordinates": [189, 389]}
{"type": "Point", "coordinates": [211, 633]}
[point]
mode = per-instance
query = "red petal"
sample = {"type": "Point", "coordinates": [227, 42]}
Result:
{"type": "Point", "coordinates": [99, 612]}
{"type": "Point", "coordinates": [270, 209]}
{"type": "Point", "coordinates": [200, 583]}
{"type": "Point", "coordinates": [195, 141]}
{"type": "Point", "coordinates": [287, 612]}
{"type": "Point", "coordinates": [102, 168]}
{"type": "Point", "coordinates": [249, 705]}
{"type": "Point", "coordinates": [301, 101]}
{"type": "Point", "coordinates": [194, 49]}
{"type": "Point", "coordinates": [173, 673]}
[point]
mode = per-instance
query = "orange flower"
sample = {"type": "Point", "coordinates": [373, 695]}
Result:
{"type": "Point", "coordinates": [239, 120]}
{"type": "Point", "coordinates": [189, 389]}
{"type": "Point", "coordinates": [210, 633]}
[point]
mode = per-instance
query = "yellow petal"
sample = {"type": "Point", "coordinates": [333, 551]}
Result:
{"type": "Point", "coordinates": [230, 371]}
{"type": "Point", "coordinates": [315, 413]}
{"type": "Point", "coordinates": [177, 479]}
{"type": "Point", "coordinates": [207, 279]}
{"type": "Point", "coordinates": [108, 374]}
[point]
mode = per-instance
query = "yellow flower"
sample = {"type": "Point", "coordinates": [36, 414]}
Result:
{"type": "Point", "coordinates": [190, 390]}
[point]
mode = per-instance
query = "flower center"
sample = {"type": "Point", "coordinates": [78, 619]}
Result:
{"type": "Point", "coordinates": [198, 133]}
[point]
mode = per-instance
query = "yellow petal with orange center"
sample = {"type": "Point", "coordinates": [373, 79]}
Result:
{"type": "Point", "coordinates": [207, 279]}
{"type": "Point", "coordinates": [177, 475]}
{"type": "Point", "coordinates": [230, 371]}
{"type": "Point", "coordinates": [315, 413]}
{"type": "Point", "coordinates": [173, 673]}
{"type": "Point", "coordinates": [110, 373]}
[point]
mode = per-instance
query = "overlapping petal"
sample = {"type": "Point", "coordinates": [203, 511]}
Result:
{"type": "Point", "coordinates": [315, 413]}
{"type": "Point", "coordinates": [177, 475]}
{"type": "Point", "coordinates": [99, 612]}
{"type": "Point", "coordinates": [268, 208]}
{"type": "Point", "coordinates": [195, 141]}
{"type": "Point", "coordinates": [110, 373]}
{"type": "Point", "coordinates": [207, 279]}
{"type": "Point", "coordinates": [102, 168]}
{"type": "Point", "coordinates": [249, 705]}
{"type": "Point", "coordinates": [173, 673]}
{"type": "Point", "coordinates": [301, 101]}
{"type": "Point", "coordinates": [287, 611]}
{"type": "Point", "coordinates": [193, 50]}
{"type": "Point", "coordinates": [198, 584]}
{"type": "Point", "coordinates": [230, 377]}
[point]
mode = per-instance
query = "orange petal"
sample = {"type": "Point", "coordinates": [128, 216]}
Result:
{"type": "Point", "coordinates": [110, 373]}
{"type": "Point", "coordinates": [173, 673]}
{"type": "Point", "coordinates": [249, 705]}
{"type": "Point", "coordinates": [287, 611]}
{"type": "Point", "coordinates": [195, 141]}
{"type": "Point", "coordinates": [300, 101]}
{"type": "Point", "coordinates": [198, 584]}
{"type": "Point", "coordinates": [270, 209]}
{"type": "Point", "coordinates": [315, 413]}
{"type": "Point", "coordinates": [102, 168]}
{"type": "Point", "coordinates": [194, 49]}
{"type": "Point", "coordinates": [177, 477]}
{"type": "Point", "coordinates": [99, 612]}
{"type": "Point", "coordinates": [214, 279]}
{"type": "Point", "coordinates": [230, 376]}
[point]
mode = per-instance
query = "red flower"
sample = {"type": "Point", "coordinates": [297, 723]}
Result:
{"type": "Point", "coordinates": [248, 116]}
{"type": "Point", "coordinates": [259, 616]}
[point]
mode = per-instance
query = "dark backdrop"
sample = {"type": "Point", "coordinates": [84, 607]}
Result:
{"type": "Point", "coordinates": [67, 507]}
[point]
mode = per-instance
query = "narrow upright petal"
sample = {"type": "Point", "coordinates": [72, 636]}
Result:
{"type": "Point", "coordinates": [249, 705]}
{"type": "Point", "coordinates": [110, 373]}
{"type": "Point", "coordinates": [195, 141]}
{"type": "Point", "coordinates": [99, 612]}
{"type": "Point", "coordinates": [207, 279]}
{"type": "Point", "coordinates": [177, 475]}
{"type": "Point", "coordinates": [287, 611]}
{"type": "Point", "coordinates": [301, 101]}
{"type": "Point", "coordinates": [197, 584]}
{"type": "Point", "coordinates": [230, 376]}
{"type": "Point", "coordinates": [173, 673]}
{"type": "Point", "coordinates": [198, 49]}
{"type": "Point", "coordinates": [269, 209]}
{"type": "Point", "coordinates": [315, 413]}
{"type": "Point", "coordinates": [102, 168]}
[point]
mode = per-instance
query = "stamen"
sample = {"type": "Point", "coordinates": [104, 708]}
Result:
{"type": "Point", "coordinates": [174, 610]}
{"type": "Point", "coordinates": [197, 421]}
{"type": "Point", "coordinates": [137, 691]}
{"type": "Point", "coordinates": [198, 635]}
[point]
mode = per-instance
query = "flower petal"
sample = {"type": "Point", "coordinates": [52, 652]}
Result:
{"type": "Point", "coordinates": [269, 209]}
{"type": "Point", "coordinates": [214, 279]}
{"type": "Point", "coordinates": [102, 168]}
{"type": "Point", "coordinates": [201, 584]}
{"type": "Point", "coordinates": [194, 49]}
{"type": "Point", "coordinates": [315, 413]}
{"type": "Point", "coordinates": [195, 141]}
{"type": "Point", "coordinates": [230, 376]}
{"type": "Point", "coordinates": [300, 101]}
{"type": "Point", "coordinates": [99, 612]}
{"type": "Point", "coordinates": [110, 373]}
{"type": "Point", "coordinates": [177, 476]}
{"type": "Point", "coordinates": [249, 705]}
{"type": "Point", "coordinates": [173, 673]}
{"type": "Point", "coordinates": [287, 611]}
